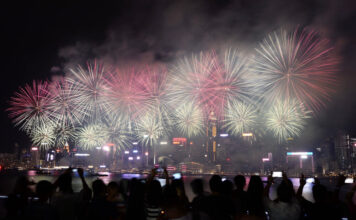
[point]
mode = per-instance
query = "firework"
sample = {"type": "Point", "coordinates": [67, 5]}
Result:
{"type": "Point", "coordinates": [149, 129]}
{"type": "Point", "coordinates": [116, 129]}
{"type": "Point", "coordinates": [126, 94]}
{"type": "Point", "coordinates": [240, 118]}
{"type": "Point", "coordinates": [154, 82]}
{"type": "Point", "coordinates": [43, 136]}
{"type": "Point", "coordinates": [191, 81]}
{"type": "Point", "coordinates": [63, 108]}
{"type": "Point", "coordinates": [286, 119]}
{"type": "Point", "coordinates": [189, 120]}
{"type": "Point", "coordinates": [210, 82]}
{"type": "Point", "coordinates": [297, 65]}
{"type": "Point", "coordinates": [88, 87]}
{"type": "Point", "coordinates": [30, 107]}
{"type": "Point", "coordinates": [64, 134]}
{"type": "Point", "coordinates": [91, 136]}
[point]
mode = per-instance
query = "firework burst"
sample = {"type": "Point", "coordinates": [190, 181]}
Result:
{"type": "Point", "coordinates": [191, 82]}
{"type": "Point", "coordinates": [149, 129]}
{"type": "Point", "coordinates": [64, 134]}
{"type": "Point", "coordinates": [286, 119]}
{"type": "Point", "coordinates": [89, 86]}
{"type": "Point", "coordinates": [126, 94]}
{"type": "Point", "coordinates": [189, 120]}
{"type": "Point", "coordinates": [30, 107]}
{"type": "Point", "coordinates": [211, 82]}
{"type": "Point", "coordinates": [296, 64]}
{"type": "Point", "coordinates": [240, 118]}
{"type": "Point", "coordinates": [154, 82]}
{"type": "Point", "coordinates": [43, 136]}
{"type": "Point", "coordinates": [117, 132]}
{"type": "Point", "coordinates": [63, 108]}
{"type": "Point", "coordinates": [92, 136]}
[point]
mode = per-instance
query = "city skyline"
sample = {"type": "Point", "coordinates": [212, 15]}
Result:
{"type": "Point", "coordinates": [77, 48]}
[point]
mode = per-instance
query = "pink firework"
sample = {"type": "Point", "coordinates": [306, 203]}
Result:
{"type": "Point", "coordinates": [209, 81]}
{"type": "Point", "coordinates": [154, 83]}
{"type": "Point", "coordinates": [126, 94]}
{"type": "Point", "coordinates": [30, 106]}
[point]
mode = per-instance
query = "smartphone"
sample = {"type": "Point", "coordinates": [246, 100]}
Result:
{"type": "Point", "coordinates": [349, 180]}
{"type": "Point", "coordinates": [310, 180]}
{"type": "Point", "coordinates": [75, 170]}
{"type": "Point", "coordinates": [162, 181]}
{"type": "Point", "coordinates": [159, 170]}
{"type": "Point", "coordinates": [277, 174]}
{"type": "Point", "coordinates": [223, 179]}
{"type": "Point", "coordinates": [177, 175]}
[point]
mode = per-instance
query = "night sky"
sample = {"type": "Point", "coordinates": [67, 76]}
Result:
{"type": "Point", "coordinates": [41, 39]}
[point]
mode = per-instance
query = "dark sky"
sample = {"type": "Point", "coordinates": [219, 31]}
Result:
{"type": "Point", "coordinates": [40, 39]}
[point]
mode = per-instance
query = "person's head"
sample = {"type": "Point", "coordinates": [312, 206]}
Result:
{"type": "Point", "coordinates": [21, 185]}
{"type": "Point", "coordinates": [99, 188]}
{"type": "Point", "coordinates": [320, 193]}
{"type": "Point", "coordinates": [240, 182]}
{"type": "Point", "coordinates": [255, 186]}
{"type": "Point", "coordinates": [197, 186]}
{"type": "Point", "coordinates": [179, 185]}
{"type": "Point", "coordinates": [65, 182]}
{"type": "Point", "coordinates": [44, 190]}
{"type": "Point", "coordinates": [285, 191]}
{"type": "Point", "coordinates": [113, 188]}
{"type": "Point", "coordinates": [227, 187]}
{"type": "Point", "coordinates": [215, 184]}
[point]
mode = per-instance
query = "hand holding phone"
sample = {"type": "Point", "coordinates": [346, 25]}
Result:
{"type": "Point", "coordinates": [277, 174]}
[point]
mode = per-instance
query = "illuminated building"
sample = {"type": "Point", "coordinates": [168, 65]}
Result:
{"type": "Point", "coordinates": [345, 150]}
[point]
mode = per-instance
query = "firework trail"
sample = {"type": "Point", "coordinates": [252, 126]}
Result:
{"type": "Point", "coordinates": [92, 136]}
{"type": "Point", "coordinates": [189, 120]}
{"type": "Point", "coordinates": [297, 65]}
{"type": "Point", "coordinates": [89, 85]}
{"type": "Point", "coordinates": [30, 106]}
{"type": "Point", "coordinates": [63, 108]}
{"type": "Point", "coordinates": [43, 136]}
{"type": "Point", "coordinates": [240, 118]}
{"type": "Point", "coordinates": [286, 119]}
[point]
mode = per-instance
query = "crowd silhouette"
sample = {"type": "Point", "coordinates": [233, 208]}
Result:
{"type": "Point", "coordinates": [146, 199]}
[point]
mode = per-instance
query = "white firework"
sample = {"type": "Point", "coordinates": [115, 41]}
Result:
{"type": "Point", "coordinates": [91, 136]}
{"type": "Point", "coordinates": [89, 87]}
{"type": "Point", "coordinates": [64, 134]}
{"type": "Point", "coordinates": [149, 129]}
{"type": "Point", "coordinates": [189, 120]}
{"type": "Point", "coordinates": [43, 136]}
{"type": "Point", "coordinates": [240, 117]}
{"type": "Point", "coordinates": [286, 119]}
{"type": "Point", "coordinates": [64, 110]}
{"type": "Point", "coordinates": [117, 131]}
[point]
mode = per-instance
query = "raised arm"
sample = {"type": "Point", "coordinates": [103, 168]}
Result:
{"type": "Point", "coordinates": [81, 175]}
{"type": "Point", "coordinates": [268, 186]}
{"type": "Point", "coordinates": [339, 184]}
{"type": "Point", "coordinates": [302, 183]}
